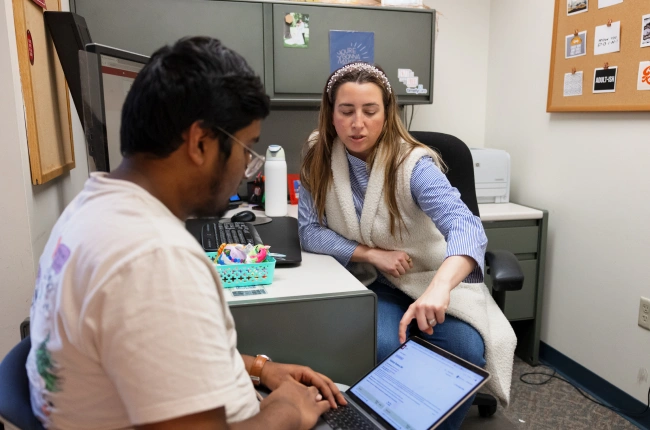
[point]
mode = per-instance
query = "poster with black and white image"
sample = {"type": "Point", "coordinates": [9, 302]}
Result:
{"type": "Point", "coordinates": [645, 31]}
{"type": "Point", "coordinates": [605, 80]}
{"type": "Point", "coordinates": [575, 45]}
{"type": "Point", "coordinates": [574, 7]}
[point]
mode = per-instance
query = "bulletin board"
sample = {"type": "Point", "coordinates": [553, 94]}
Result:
{"type": "Point", "coordinates": [627, 96]}
{"type": "Point", "coordinates": [45, 92]}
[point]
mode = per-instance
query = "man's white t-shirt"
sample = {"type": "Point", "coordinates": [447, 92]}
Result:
{"type": "Point", "coordinates": [129, 324]}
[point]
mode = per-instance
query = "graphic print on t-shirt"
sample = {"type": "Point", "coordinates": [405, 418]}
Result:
{"type": "Point", "coordinates": [40, 365]}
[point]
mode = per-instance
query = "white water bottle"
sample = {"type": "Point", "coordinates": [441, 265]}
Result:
{"type": "Point", "coordinates": [275, 182]}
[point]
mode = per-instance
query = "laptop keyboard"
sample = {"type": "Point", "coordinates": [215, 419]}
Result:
{"type": "Point", "coordinates": [346, 417]}
{"type": "Point", "coordinates": [214, 234]}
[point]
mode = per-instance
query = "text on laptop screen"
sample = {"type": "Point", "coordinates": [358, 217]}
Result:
{"type": "Point", "coordinates": [415, 387]}
{"type": "Point", "coordinates": [117, 76]}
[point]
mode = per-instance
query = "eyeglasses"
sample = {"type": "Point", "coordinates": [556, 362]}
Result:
{"type": "Point", "coordinates": [255, 162]}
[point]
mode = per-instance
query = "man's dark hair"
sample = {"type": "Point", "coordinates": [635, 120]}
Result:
{"type": "Point", "coordinates": [196, 79]}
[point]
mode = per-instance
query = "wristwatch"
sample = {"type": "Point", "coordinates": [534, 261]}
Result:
{"type": "Point", "coordinates": [256, 369]}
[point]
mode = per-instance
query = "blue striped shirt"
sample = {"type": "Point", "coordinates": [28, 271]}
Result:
{"type": "Point", "coordinates": [430, 190]}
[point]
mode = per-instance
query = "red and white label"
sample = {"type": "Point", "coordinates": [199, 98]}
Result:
{"type": "Point", "coordinates": [41, 3]}
{"type": "Point", "coordinates": [30, 47]}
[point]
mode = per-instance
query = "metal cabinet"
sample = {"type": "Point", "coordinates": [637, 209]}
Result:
{"type": "Point", "coordinates": [143, 26]}
{"type": "Point", "coordinates": [300, 74]}
{"type": "Point", "coordinates": [403, 38]}
{"type": "Point", "coordinates": [527, 240]}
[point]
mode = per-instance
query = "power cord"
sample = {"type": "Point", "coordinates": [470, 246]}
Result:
{"type": "Point", "coordinates": [553, 375]}
{"type": "Point", "coordinates": [411, 120]}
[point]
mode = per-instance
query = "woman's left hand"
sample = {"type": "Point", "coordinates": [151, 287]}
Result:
{"type": "Point", "coordinates": [429, 308]}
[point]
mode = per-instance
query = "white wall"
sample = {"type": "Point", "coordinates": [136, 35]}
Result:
{"type": "Point", "coordinates": [16, 268]}
{"type": "Point", "coordinates": [592, 172]}
{"type": "Point", "coordinates": [460, 72]}
{"type": "Point", "coordinates": [27, 212]}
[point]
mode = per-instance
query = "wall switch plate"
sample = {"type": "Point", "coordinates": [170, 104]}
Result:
{"type": "Point", "coordinates": [644, 313]}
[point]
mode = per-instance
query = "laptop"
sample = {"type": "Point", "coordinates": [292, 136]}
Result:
{"type": "Point", "coordinates": [417, 387]}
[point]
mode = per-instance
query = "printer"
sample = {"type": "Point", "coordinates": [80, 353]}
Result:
{"type": "Point", "coordinates": [491, 175]}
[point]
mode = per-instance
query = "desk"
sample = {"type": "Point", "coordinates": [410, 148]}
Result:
{"type": "Point", "coordinates": [316, 314]}
{"type": "Point", "coordinates": [326, 317]}
{"type": "Point", "coordinates": [521, 230]}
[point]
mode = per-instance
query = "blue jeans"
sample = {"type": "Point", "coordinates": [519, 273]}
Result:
{"type": "Point", "coordinates": [453, 335]}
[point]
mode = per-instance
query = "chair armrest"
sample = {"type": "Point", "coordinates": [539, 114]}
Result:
{"type": "Point", "coordinates": [504, 270]}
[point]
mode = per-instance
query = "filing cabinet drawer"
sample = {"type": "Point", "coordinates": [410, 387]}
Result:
{"type": "Point", "coordinates": [518, 240]}
{"type": "Point", "coordinates": [520, 305]}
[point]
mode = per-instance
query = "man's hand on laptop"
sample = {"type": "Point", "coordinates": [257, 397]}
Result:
{"type": "Point", "coordinates": [306, 402]}
{"type": "Point", "coordinates": [274, 374]}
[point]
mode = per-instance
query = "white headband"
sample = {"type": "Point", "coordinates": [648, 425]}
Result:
{"type": "Point", "coordinates": [354, 67]}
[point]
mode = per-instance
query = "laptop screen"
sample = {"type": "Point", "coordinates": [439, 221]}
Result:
{"type": "Point", "coordinates": [416, 386]}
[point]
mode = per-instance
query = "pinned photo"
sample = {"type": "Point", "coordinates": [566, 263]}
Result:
{"type": "Point", "coordinates": [576, 45]}
{"type": "Point", "coordinates": [605, 80]}
{"type": "Point", "coordinates": [296, 30]}
{"type": "Point", "coordinates": [575, 7]}
{"type": "Point", "coordinates": [645, 31]}
{"type": "Point", "coordinates": [643, 83]}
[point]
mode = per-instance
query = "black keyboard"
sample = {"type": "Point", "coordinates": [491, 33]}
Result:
{"type": "Point", "coordinates": [346, 417]}
{"type": "Point", "coordinates": [213, 234]}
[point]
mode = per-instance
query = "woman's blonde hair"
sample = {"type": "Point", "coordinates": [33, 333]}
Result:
{"type": "Point", "coordinates": [394, 140]}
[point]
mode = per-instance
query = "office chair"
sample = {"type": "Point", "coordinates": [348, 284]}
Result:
{"type": "Point", "coordinates": [502, 266]}
{"type": "Point", "coordinates": [15, 405]}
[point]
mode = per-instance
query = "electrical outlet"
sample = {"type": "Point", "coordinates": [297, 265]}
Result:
{"type": "Point", "coordinates": [644, 313]}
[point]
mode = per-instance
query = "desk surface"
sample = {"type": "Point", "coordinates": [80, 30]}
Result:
{"type": "Point", "coordinates": [316, 275]}
{"type": "Point", "coordinates": [488, 211]}
{"type": "Point", "coordinates": [507, 212]}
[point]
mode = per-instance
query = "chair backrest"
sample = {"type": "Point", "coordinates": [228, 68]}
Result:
{"type": "Point", "coordinates": [460, 166]}
{"type": "Point", "coordinates": [15, 404]}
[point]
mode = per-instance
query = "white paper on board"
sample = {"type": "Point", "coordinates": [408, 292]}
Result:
{"type": "Point", "coordinates": [608, 38]}
{"type": "Point", "coordinates": [573, 84]}
{"type": "Point", "coordinates": [607, 3]}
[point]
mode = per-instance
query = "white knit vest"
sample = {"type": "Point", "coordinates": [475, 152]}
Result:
{"type": "Point", "coordinates": [424, 243]}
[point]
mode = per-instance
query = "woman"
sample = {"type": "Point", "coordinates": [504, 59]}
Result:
{"type": "Point", "coordinates": [299, 38]}
{"type": "Point", "coordinates": [376, 200]}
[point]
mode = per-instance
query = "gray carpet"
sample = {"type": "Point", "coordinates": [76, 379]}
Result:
{"type": "Point", "coordinates": [555, 405]}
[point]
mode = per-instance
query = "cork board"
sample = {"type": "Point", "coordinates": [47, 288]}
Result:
{"type": "Point", "coordinates": [626, 97]}
{"type": "Point", "coordinates": [45, 93]}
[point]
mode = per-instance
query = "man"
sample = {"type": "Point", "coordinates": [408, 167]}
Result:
{"type": "Point", "coordinates": [129, 324]}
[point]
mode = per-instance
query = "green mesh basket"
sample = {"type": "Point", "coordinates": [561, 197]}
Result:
{"type": "Point", "coordinates": [245, 274]}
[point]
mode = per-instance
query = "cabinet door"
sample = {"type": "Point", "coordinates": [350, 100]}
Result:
{"type": "Point", "coordinates": [403, 39]}
{"type": "Point", "coordinates": [518, 240]}
{"type": "Point", "coordinates": [142, 26]}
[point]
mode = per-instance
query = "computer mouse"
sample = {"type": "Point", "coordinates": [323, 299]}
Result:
{"type": "Point", "coordinates": [243, 216]}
